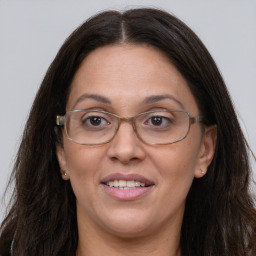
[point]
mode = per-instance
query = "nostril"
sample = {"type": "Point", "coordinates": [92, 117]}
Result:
{"type": "Point", "coordinates": [124, 160]}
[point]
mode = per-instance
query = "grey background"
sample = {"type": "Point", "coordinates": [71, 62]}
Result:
{"type": "Point", "coordinates": [32, 31]}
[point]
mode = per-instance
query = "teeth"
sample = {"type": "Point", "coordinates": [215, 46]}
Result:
{"type": "Point", "coordinates": [137, 183]}
{"type": "Point", "coordinates": [130, 184]}
{"type": "Point", "coordinates": [111, 183]}
{"type": "Point", "coordinates": [123, 184]}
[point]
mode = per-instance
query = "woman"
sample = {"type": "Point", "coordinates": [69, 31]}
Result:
{"type": "Point", "coordinates": [132, 147]}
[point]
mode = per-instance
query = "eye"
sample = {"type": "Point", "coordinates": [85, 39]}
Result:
{"type": "Point", "coordinates": [94, 121]}
{"type": "Point", "coordinates": [159, 121]}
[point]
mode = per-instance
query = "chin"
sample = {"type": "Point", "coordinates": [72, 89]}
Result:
{"type": "Point", "coordinates": [128, 224]}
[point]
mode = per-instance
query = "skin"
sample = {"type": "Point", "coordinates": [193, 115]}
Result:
{"type": "Point", "coordinates": [126, 75]}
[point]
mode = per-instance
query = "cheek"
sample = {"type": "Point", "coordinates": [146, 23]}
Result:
{"type": "Point", "coordinates": [176, 160]}
{"type": "Point", "coordinates": [176, 165]}
{"type": "Point", "coordinates": [83, 163]}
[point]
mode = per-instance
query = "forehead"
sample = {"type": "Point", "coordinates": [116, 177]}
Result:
{"type": "Point", "coordinates": [127, 74]}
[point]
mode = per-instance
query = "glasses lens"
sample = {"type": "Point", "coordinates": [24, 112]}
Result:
{"type": "Point", "coordinates": [162, 127]}
{"type": "Point", "coordinates": [99, 127]}
{"type": "Point", "coordinates": [90, 127]}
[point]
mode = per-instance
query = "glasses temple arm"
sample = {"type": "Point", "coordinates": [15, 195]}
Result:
{"type": "Point", "coordinates": [196, 119]}
{"type": "Point", "coordinates": [60, 120]}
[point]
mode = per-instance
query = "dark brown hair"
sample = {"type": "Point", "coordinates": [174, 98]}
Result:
{"type": "Point", "coordinates": [219, 218]}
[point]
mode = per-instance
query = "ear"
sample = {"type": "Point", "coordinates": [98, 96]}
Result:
{"type": "Point", "coordinates": [206, 151]}
{"type": "Point", "coordinates": [62, 162]}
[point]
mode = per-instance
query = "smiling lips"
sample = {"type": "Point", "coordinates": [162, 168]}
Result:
{"type": "Point", "coordinates": [123, 184]}
{"type": "Point", "coordinates": [126, 187]}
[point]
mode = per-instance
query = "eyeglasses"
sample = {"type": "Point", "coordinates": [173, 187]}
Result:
{"type": "Point", "coordinates": [91, 127]}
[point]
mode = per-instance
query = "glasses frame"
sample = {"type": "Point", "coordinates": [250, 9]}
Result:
{"type": "Point", "coordinates": [61, 122]}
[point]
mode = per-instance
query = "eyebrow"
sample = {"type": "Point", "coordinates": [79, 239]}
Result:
{"type": "Point", "coordinates": [96, 97]}
{"type": "Point", "coordinates": [148, 100]}
{"type": "Point", "coordinates": [155, 98]}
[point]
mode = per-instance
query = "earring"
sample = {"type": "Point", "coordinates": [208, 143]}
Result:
{"type": "Point", "coordinates": [64, 173]}
{"type": "Point", "coordinates": [203, 172]}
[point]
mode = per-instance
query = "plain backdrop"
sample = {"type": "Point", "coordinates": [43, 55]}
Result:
{"type": "Point", "coordinates": [31, 33]}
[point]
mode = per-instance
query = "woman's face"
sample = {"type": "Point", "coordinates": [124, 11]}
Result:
{"type": "Point", "coordinates": [122, 79]}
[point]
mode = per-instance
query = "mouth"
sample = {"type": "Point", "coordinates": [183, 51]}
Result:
{"type": "Point", "coordinates": [123, 184]}
{"type": "Point", "coordinates": [126, 186]}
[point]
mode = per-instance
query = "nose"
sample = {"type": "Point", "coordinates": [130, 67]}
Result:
{"type": "Point", "coordinates": [126, 146]}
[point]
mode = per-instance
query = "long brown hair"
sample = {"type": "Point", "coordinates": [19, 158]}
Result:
{"type": "Point", "coordinates": [219, 218]}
